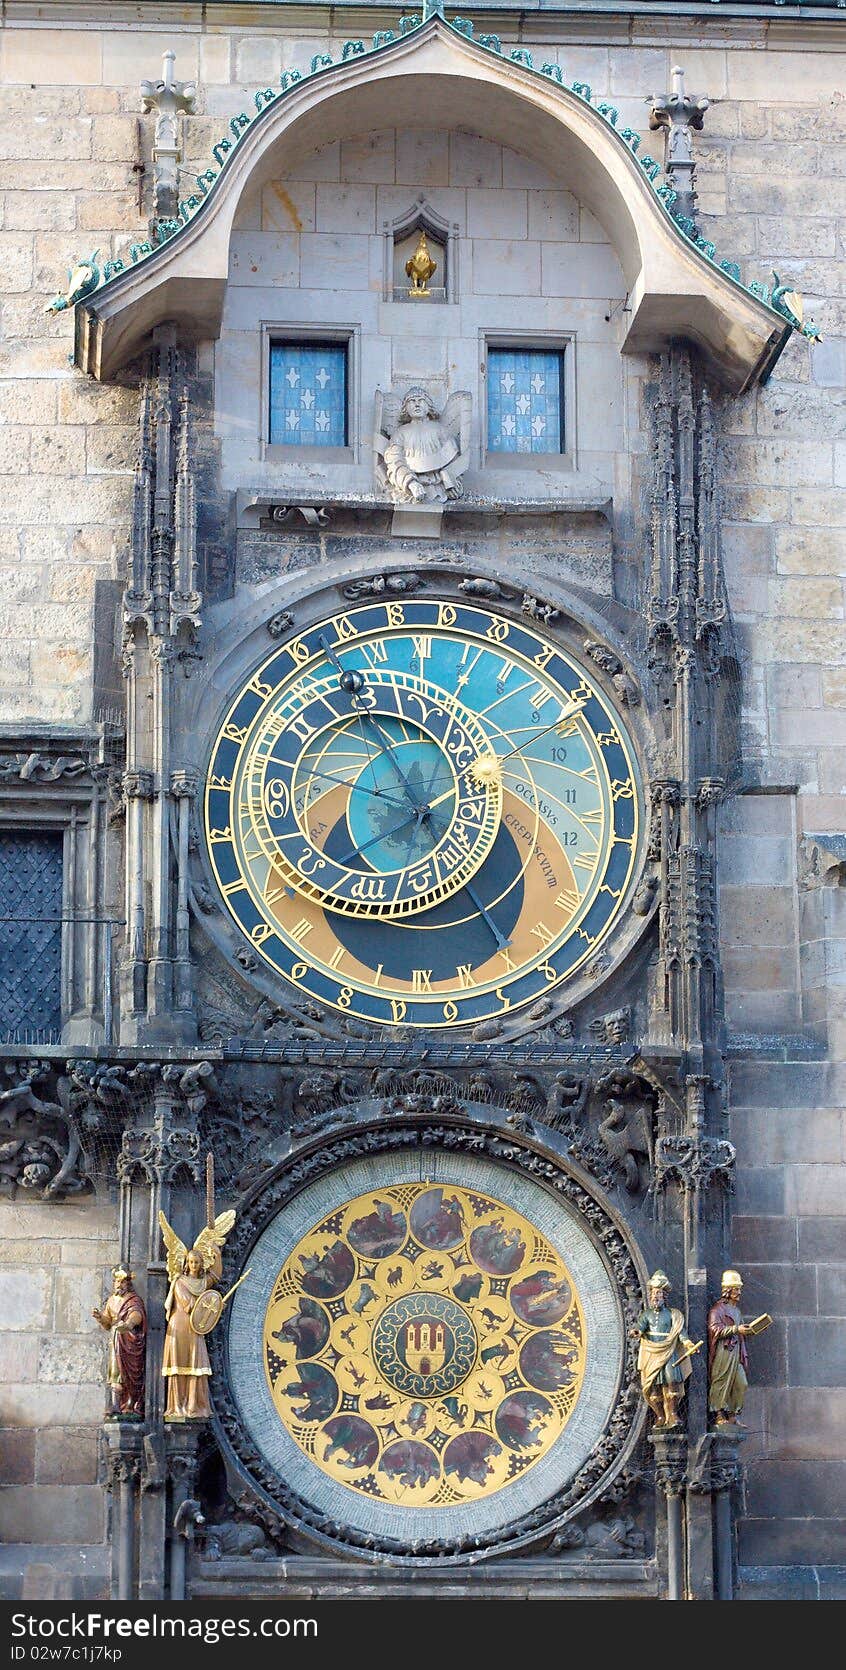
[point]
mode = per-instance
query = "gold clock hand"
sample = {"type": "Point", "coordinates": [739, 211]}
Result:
{"type": "Point", "coordinates": [350, 782]}
{"type": "Point", "coordinates": [566, 713]}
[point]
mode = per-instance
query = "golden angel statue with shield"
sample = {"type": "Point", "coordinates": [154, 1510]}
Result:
{"type": "Point", "coordinates": [192, 1307]}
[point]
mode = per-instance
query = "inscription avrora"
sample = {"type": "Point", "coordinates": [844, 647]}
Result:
{"type": "Point", "coordinates": [423, 812]}
{"type": "Point", "coordinates": [424, 1345]}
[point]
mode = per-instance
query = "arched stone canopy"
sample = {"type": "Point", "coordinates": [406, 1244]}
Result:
{"type": "Point", "coordinates": [430, 74]}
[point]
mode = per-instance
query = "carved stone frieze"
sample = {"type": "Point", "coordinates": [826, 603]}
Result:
{"type": "Point", "coordinates": [41, 1146]}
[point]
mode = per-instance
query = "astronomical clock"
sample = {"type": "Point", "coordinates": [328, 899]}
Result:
{"type": "Point", "coordinates": [424, 816]}
{"type": "Point", "coordinates": [423, 813]}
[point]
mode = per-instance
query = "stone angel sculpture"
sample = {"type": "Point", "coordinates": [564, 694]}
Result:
{"type": "Point", "coordinates": [192, 1273]}
{"type": "Point", "coordinates": [421, 454]}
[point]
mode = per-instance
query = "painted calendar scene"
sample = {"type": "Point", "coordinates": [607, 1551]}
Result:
{"type": "Point", "coordinates": [424, 1345]}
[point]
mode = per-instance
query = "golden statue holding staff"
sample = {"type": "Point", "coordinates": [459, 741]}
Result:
{"type": "Point", "coordinates": [192, 1307]}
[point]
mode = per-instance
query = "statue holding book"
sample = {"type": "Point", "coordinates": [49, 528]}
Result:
{"type": "Point", "coordinates": [728, 1358]}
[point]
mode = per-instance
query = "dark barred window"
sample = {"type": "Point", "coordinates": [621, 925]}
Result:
{"type": "Point", "coordinates": [31, 868]}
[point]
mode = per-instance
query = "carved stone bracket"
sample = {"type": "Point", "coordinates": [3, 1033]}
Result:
{"type": "Point", "coordinates": [695, 1162]}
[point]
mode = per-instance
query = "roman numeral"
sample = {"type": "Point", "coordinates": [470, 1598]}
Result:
{"type": "Point", "coordinates": [567, 899]}
{"type": "Point", "coordinates": [543, 933]}
{"type": "Point", "coordinates": [421, 979]}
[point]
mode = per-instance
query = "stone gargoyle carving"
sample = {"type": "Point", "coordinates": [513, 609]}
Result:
{"type": "Point", "coordinates": [421, 454]}
{"type": "Point", "coordinates": [40, 1149]}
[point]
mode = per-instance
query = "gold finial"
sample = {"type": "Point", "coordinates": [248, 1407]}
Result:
{"type": "Point", "coordinates": [420, 267]}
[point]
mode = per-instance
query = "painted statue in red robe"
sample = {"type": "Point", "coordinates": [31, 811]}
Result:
{"type": "Point", "coordinates": [125, 1317]}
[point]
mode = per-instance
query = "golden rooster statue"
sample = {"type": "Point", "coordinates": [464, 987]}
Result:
{"type": "Point", "coordinates": [420, 267]}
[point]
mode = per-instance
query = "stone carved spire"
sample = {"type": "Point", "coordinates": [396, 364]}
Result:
{"type": "Point", "coordinates": [170, 99]}
{"type": "Point", "coordinates": [679, 115]}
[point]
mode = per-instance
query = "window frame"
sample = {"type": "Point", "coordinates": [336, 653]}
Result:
{"type": "Point", "coordinates": [342, 336]}
{"type": "Point", "coordinates": [541, 341]}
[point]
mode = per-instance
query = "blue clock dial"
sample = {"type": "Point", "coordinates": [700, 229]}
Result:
{"type": "Point", "coordinates": [423, 813]}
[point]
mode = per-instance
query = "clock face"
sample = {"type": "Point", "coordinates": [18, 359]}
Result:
{"type": "Point", "coordinates": [423, 812]}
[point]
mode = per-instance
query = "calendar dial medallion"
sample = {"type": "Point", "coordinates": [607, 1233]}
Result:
{"type": "Point", "coordinates": [423, 812]}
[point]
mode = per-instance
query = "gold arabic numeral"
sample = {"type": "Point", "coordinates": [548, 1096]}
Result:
{"type": "Point", "coordinates": [399, 1009]}
{"type": "Point", "coordinates": [232, 887]}
{"type": "Point", "coordinates": [301, 929]}
{"type": "Point", "coordinates": [421, 979]}
{"type": "Point", "coordinates": [422, 649]}
{"type": "Point", "coordinates": [622, 790]}
{"type": "Point", "coordinates": [216, 835]}
{"type": "Point", "coordinates": [606, 738]}
{"type": "Point", "coordinates": [220, 782]}
{"type": "Point", "coordinates": [498, 630]}
{"type": "Point", "coordinates": [568, 900]}
{"type": "Point", "coordinates": [589, 939]}
{"type": "Point", "coordinates": [298, 651]}
{"type": "Point", "coordinates": [375, 652]}
{"type": "Point", "coordinates": [549, 973]}
{"type": "Point", "coordinates": [299, 971]}
{"type": "Point", "coordinates": [613, 892]}
{"type": "Point", "coordinates": [446, 614]}
{"type": "Point", "coordinates": [234, 733]}
{"type": "Point", "coordinates": [258, 686]}
{"type": "Point", "coordinates": [260, 933]}
{"type": "Point", "coordinates": [395, 614]}
{"type": "Point", "coordinates": [543, 933]}
{"type": "Point", "coordinates": [582, 692]}
{"type": "Point", "coordinates": [544, 656]}
{"type": "Point", "coordinates": [345, 629]}
{"type": "Point", "coordinates": [277, 800]}
{"type": "Point", "coordinates": [505, 1001]}
{"type": "Point", "coordinates": [504, 674]}
{"type": "Point", "coordinates": [450, 1010]}
{"type": "Point", "coordinates": [345, 996]}
{"type": "Point", "coordinates": [337, 957]}
{"type": "Point", "coordinates": [505, 954]}
{"type": "Point", "coordinates": [465, 976]}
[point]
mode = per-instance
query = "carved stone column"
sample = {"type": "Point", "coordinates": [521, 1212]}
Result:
{"type": "Point", "coordinates": [726, 1476]}
{"type": "Point", "coordinates": [670, 1449]}
{"type": "Point", "coordinates": [123, 1447]}
{"type": "Point", "coordinates": [182, 1445]}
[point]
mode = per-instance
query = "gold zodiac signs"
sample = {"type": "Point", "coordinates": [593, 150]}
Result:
{"type": "Point", "coordinates": [424, 1346]}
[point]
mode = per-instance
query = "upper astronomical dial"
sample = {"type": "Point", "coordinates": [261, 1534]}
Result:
{"type": "Point", "coordinates": [423, 812]}
{"type": "Point", "coordinates": [392, 758]}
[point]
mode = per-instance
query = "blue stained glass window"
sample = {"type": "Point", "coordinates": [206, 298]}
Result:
{"type": "Point", "coordinates": [308, 394]}
{"type": "Point", "coordinates": [525, 400]}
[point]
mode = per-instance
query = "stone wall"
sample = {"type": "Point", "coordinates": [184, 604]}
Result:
{"type": "Point", "coordinates": [772, 183]}
{"type": "Point", "coordinates": [54, 1268]}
